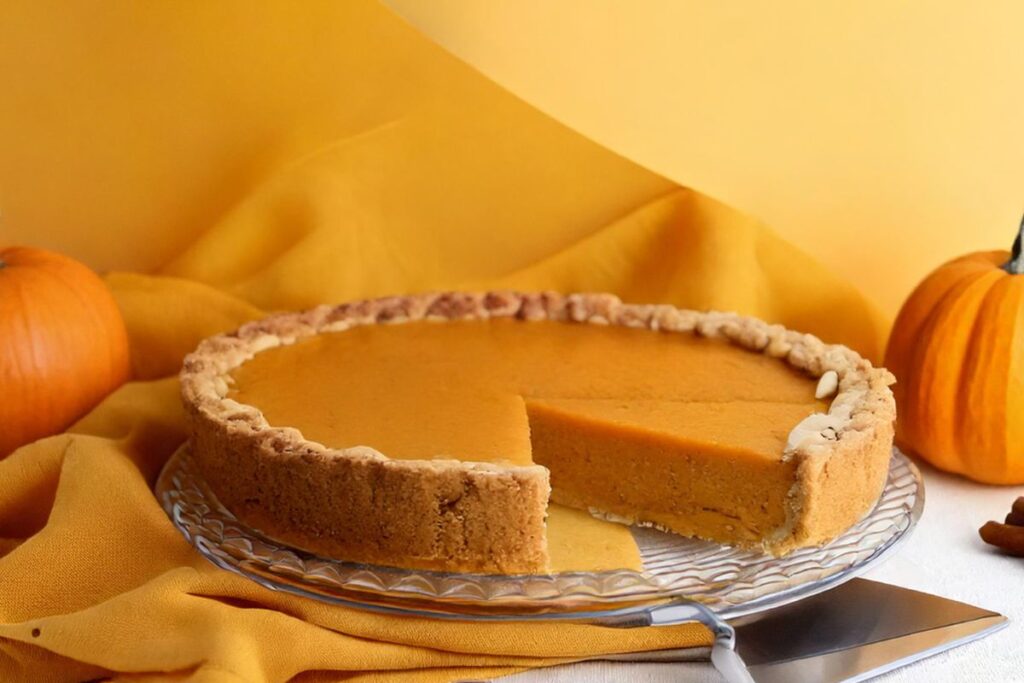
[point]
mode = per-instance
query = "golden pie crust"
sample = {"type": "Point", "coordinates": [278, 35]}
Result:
{"type": "Point", "coordinates": [358, 504]}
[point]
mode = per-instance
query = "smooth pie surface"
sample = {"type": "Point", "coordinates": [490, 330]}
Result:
{"type": "Point", "coordinates": [424, 390]}
{"type": "Point", "coordinates": [684, 432]}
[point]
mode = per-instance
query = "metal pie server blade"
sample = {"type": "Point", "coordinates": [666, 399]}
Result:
{"type": "Point", "coordinates": [854, 632]}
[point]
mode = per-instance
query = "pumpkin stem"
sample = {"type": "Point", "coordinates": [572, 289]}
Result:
{"type": "Point", "coordinates": [1016, 264]}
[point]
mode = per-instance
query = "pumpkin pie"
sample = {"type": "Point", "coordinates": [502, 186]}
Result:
{"type": "Point", "coordinates": [432, 431]}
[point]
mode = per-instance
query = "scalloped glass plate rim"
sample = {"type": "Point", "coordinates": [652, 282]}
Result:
{"type": "Point", "coordinates": [197, 514]}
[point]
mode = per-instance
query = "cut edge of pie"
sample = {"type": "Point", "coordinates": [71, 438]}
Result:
{"type": "Point", "coordinates": [360, 505]}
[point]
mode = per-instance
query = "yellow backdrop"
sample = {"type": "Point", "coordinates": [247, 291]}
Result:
{"type": "Point", "coordinates": [882, 137]}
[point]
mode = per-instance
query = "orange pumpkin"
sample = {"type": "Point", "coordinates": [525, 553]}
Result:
{"type": "Point", "coordinates": [63, 344]}
{"type": "Point", "coordinates": [957, 350]}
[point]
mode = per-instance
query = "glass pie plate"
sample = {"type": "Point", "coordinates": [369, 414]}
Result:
{"type": "Point", "coordinates": [729, 581]}
{"type": "Point", "coordinates": [683, 580]}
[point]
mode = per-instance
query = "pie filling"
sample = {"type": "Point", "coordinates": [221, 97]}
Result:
{"type": "Point", "coordinates": [684, 480]}
{"type": "Point", "coordinates": [678, 431]}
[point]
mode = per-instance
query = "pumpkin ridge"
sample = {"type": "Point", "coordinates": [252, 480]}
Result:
{"type": "Point", "coordinates": [99, 315]}
{"type": "Point", "coordinates": [903, 356]}
{"type": "Point", "coordinates": [1015, 395]}
{"type": "Point", "coordinates": [916, 312]}
{"type": "Point", "coordinates": [984, 384]}
{"type": "Point", "coordinates": [930, 411]}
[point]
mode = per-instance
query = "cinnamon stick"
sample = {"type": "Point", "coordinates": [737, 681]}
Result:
{"type": "Point", "coordinates": [1008, 537]}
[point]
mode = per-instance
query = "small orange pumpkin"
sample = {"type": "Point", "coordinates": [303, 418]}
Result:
{"type": "Point", "coordinates": [957, 350]}
{"type": "Point", "coordinates": [63, 344]}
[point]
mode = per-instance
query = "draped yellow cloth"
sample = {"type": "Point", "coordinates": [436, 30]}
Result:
{"type": "Point", "coordinates": [386, 166]}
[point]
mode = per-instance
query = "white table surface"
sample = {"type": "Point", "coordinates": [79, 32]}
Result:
{"type": "Point", "coordinates": [944, 556]}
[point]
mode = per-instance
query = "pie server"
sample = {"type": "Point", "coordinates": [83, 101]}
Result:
{"type": "Point", "coordinates": [853, 632]}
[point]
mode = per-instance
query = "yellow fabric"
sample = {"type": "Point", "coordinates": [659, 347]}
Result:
{"type": "Point", "coordinates": [299, 154]}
